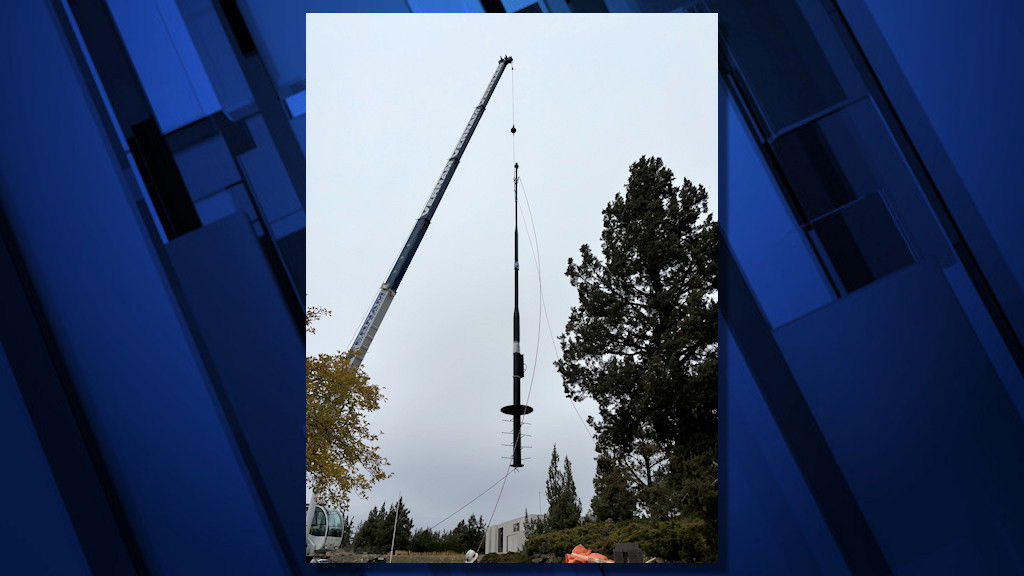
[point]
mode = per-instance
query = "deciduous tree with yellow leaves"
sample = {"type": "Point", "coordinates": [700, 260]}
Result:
{"type": "Point", "coordinates": [341, 455]}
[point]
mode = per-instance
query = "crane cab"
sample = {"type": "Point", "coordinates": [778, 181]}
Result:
{"type": "Point", "coordinates": [324, 530]}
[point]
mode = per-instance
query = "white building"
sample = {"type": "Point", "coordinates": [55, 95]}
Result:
{"type": "Point", "coordinates": [508, 536]}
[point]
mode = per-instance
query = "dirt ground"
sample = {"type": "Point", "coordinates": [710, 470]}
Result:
{"type": "Point", "coordinates": [401, 557]}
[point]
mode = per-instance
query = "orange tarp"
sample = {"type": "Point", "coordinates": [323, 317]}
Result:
{"type": "Point", "coordinates": [581, 555]}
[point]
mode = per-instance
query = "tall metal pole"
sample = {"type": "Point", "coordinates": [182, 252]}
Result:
{"type": "Point", "coordinates": [517, 409]}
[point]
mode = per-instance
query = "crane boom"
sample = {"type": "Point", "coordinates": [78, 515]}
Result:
{"type": "Point", "coordinates": [390, 287]}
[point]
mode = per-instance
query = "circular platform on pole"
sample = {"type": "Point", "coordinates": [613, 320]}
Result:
{"type": "Point", "coordinates": [516, 409]}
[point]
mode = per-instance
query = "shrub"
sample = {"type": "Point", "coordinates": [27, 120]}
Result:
{"type": "Point", "coordinates": [675, 539]}
{"type": "Point", "coordinates": [511, 557]}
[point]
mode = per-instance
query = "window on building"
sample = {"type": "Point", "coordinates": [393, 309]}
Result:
{"type": "Point", "coordinates": [501, 540]}
{"type": "Point", "coordinates": [515, 527]}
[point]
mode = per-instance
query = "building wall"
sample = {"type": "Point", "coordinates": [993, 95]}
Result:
{"type": "Point", "coordinates": [512, 535]}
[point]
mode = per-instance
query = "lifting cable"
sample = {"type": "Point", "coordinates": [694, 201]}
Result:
{"type": "Point", "coordinates": [477, 497]}
{"type": "Point", "coordinates": [512, 80]}
{"type": "Point", "coordinates": [543, 302]}
{"type": "Point", "coordinates": [516, 440]}
{"type": "Point", "coordinates": [509, 469]}
{"type": "Point", "coordinates": [542, 313]}
{"type": "Point", "coordinates": [532, 238]}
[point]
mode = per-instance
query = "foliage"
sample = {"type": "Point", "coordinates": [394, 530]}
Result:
{"type": "Point", "coordinates": [340, 453]}
{"type": "Point", "coordinates": [643, 340]}
{"type": "Point", "coordinates": [538, 524]}
{"type": "Point", "coordinates": [676, 539]}
{"type": "Point", "coordinates": [371, 532]}
{"type": "Point", "coordinates": [614, 497]}
{"type": "Point", "coordinates": [508, 558]}
{"type": "Point", "coordinates": [563, 504]}
{"type": "Point", "coordinates": [425, 540]}
{"type": "Point", "coordinates": [467, 535]}
{"type": "Point", "coordinates": [346, 537]}
{"type": "Point", "coordinates": [687, 485]}
{"type": "Point", "coordinates": [403, 529]}
{"type": "Point", "coordinates": [374, 534]}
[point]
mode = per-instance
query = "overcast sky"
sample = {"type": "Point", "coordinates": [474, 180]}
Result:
{"type": "Point", "coordinates": [388, 96]}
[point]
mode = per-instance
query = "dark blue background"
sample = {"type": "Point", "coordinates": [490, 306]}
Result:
{"type": "Point", "coordinates": [152, 232]}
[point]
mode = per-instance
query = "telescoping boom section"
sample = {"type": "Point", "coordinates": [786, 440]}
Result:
{"type": "Point", "coordinates": [390, 287]}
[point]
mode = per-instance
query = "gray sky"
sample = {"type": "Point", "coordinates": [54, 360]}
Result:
{"type": "Point", "coordinates": [388, 96]}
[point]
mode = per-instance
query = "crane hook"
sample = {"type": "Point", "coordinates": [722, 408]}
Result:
{"type": "Point", "coordinates": [513, 129]}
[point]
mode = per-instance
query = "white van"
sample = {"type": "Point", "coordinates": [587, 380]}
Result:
{"type": "Point", "coordinates": [324, 530]}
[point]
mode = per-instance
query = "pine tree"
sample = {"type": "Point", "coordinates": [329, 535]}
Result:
{"type": "Point", "coordinates": [643, 340]}
{"type": "Point", "coordinates": [374, 534]}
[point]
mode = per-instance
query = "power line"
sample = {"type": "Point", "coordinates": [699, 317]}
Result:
{"type": "Point", "coordinates": [543, 301]}
{"type": "Point", "coordinates": [533, 372]}
{"type": "Point", "coordinates": [477, 497]}
{"type": "Point", "coordinates": [495, 509]}
{"type": "Point", "coordinates": [532, 238]}
{"type": "Point", "coordinates": [535, 253]}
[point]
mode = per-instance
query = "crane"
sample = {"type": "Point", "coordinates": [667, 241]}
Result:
{"type": "Point", "coordinates": [388, 290]}
{"type": "Point", "coordinates": [390, 287]}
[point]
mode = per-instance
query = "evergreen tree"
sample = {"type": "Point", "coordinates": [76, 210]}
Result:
{"type": "Point", "coordinates": [374, 535]}
{"type": "Point", "coordinates": [467, 534]}
{"type": "Point", "coordinates": [643, 340]}
{"type": "Point", "coordinates": [533, 526]}
{"type": "Point", "coordinates": [402, 530]}
{"type": "Point", "coordinates": [366, 537]}
{"type": "Point", "coordinates": [425, 540]}
{"type": "Point", "coordinates": [553, 488]}
{"type": "Point", "coordinates": [571, 504]}
{"type": "Point", "coordinates": [614, 496]}
{"type": "Point", "coordinates": [563, 504]}
{"type": "Point", "coordinates": [347, 532]}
